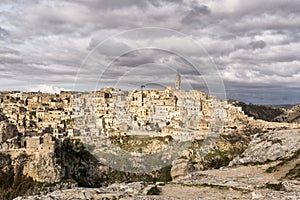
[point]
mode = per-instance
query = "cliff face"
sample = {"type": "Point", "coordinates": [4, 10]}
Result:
{"type": "Point", "coordinates": [13, 183]}
{"type": "Point", "coordinates": [43, 167]}
{"type": "Point", "coordinates": [78, 164]}
{"type": "Point", "coordinates": [225, 149]}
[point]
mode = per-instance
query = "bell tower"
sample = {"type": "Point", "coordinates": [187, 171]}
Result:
{"type": "Point", "coordinates": [178, 81]}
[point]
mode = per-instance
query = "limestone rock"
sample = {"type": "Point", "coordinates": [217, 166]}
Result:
{"type": "Point", "coordinates": [114, 191]}
{"type": "Point", "coordinates": [181, 168]}
{"type": "Point", "coordinates": [255, 195]}
{"type": "Point", "coordinates": [270, 146]}
{"type": "Point", "coordinates": [291, 186]}
{"type": "Point", "coordinates": [42, 167]}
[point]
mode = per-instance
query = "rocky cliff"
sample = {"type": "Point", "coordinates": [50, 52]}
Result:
{"type": "Point", "coordinates": [43, 167]}
{"type": "Point", "coordinates": [266, 147]}
{"type": "Point", "coordinates": [13, 182]}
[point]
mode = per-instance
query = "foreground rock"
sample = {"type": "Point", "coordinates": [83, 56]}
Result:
{"type": "Point", "coordinates": [175, 190]}
{"type": "Point", "coordinates": [270, 147]}
{"type": "Point", "coordinates": [244, 182]}
{"type": "Point", "coordinates": [240, 182]}
{"type": "Point", "coordinates": [114, 191]}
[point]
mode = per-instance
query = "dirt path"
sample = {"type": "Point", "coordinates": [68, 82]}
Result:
{"type": "Point", "coordinates": [174, 191]}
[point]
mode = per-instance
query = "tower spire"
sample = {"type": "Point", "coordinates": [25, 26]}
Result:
{"type": "Point", "coordinates": [178, 81]}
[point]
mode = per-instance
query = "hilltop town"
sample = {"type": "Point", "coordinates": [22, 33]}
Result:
{"type": "Point", "coordinates": [179, 113]}
{"type": "Point", "coordinates": [43, 133]}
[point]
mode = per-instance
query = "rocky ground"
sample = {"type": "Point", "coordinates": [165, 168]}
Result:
{"type": "Point", "coordinates": [271, 146]}
{"type": "Point", "coordinates": [267, 169]}
{"type": "Point", "coordinates": [244, 182]}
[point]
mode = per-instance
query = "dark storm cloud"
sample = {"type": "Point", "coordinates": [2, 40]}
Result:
{"type": "Point", "coordinates": [254, 44]}
{"type": "Point", "coordinates": [260, 44]}
{"type": "Point", "coordinates": [196, 14]}
{"type": "Point", "coordinates": [166, 59]}
{"type": "Point", "coordinates": [135, 58]}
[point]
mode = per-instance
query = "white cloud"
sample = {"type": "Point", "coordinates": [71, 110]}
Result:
{"type": "Point", "coordinates": [46, 89]}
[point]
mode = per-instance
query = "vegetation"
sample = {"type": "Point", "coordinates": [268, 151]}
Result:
{"type": "Point", "coordinates": [271, 169]}
{"type": "Point", "coordinates": [79, 164]}
{"type": "Point", "coordinates": [217, 159]}
{"type": "Point", "coordinates": [137, 143]}
{"type": "Point", "coordinates": [228, 147]}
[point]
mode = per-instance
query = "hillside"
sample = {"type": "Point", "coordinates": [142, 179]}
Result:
{"type": "Point", "coordinates": [291, 115]}
{"type": "Point", "coordinates": [267, 113]}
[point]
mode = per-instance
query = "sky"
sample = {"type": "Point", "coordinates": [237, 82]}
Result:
{"type": "Point", "coordinates": [244, 50]}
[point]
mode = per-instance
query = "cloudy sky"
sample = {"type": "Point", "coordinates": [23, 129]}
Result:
{"type": "Point", "coordinates": [248, 49]}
